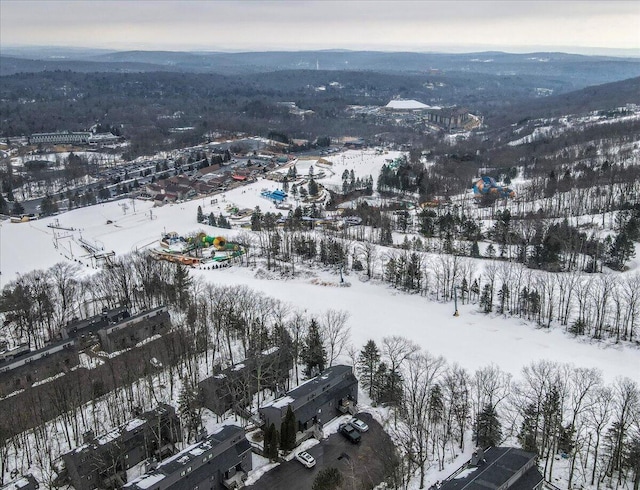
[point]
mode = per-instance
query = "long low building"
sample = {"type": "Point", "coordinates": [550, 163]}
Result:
{"type": "Point", "coordinates": [221, 459]}
{"type": "Point", "coordinates": [61, 138]}
{"type": "Point", "coordinates": [28, 367]}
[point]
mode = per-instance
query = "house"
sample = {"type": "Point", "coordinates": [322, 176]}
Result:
{"type": "Point", "coordinates": [26, 482]}
{"type": "Point", "coordinates": [236, 385]}
{"type": "Point", "coordinates": [316, 401]}
{"type": "Point", "coordinates": [27, 367]}
{"type": "Point", "coordinates": [498, 468]}
{"type": "Point", "coordinates": [102, 462]}
{"type": "Point", "coordinates": [135, 329]}
{"type": "Point", "coordinates": [220, 460]}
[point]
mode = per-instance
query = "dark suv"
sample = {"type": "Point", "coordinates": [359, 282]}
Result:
{"type": "Point", "coordinates": [350, 432]}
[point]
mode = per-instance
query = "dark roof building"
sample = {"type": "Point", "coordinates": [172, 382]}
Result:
{"type": "Point", "coordinates": [26, 367]}
{"type": "Point", "coordinates": [497, 468]}
{"type": "Point", "coordinates": [316, 401]}
{"type": "Point", "coordinates": [86, 329]}
{"type": "Point", "coordinates": [220, 460]}
{"type": "Point", "coordinates": [135, 329]}
{"type": "Point", "coordinates": [102, 461]}
{"type": "Point", "coordinates": [26, 482]}
{"type": "Point", "coordinates": [236, 385]}
{"type": "Point", "coordinates": [449, 118]}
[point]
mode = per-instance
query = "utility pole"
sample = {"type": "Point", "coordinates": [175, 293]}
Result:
{"type": "Point", "coordinates": [455, 300]}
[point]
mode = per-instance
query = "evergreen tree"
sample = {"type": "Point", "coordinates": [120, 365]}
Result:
{"type": "Point", "coordinates": [475, 250]}
{"type": "Point", "coordinates": [566, 439]}
{"type": "Point", "coordinates": [288, 431]}
{"type": "Point", "coordinates": [212, 220]}
{"type": "Point", "coordinates": [271, 442]}
{"type": "Point", "coordinates": [368, 362]}
{"type": "Point", "coordinates": [181, 284]}
{"type": "Point", "coordinates": [485, 299]}
{"type": "Point", "coordinates": [189, 404]}
{"type": "Point", "coordinates": [314, 355]}
{"type": "Point", "coordinates": [256, 219]}
{"type": "Point", "coordinates": [223, 222]}
{"type": "Point", "coordinates": [488, 430]}
{"type": "Point", "coordinates": [313, 187]}
{"type": "Point", "coordinates": [491, 251]}
{"type": "Point", "coordinates": [527, 435]}
{"type": "Point", "coordinates": [200, 216]}
{"type": "Point", "coordinates": [503, 297]}
{"type": "Point", "coordinates": [620, 251]}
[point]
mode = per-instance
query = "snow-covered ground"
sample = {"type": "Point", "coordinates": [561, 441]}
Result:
{"type": "Point", "coordinates": [472, 340]}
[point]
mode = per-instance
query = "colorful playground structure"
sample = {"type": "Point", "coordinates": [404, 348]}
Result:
{"type": "Point", "coordinates": [197, 250]}
{"type": "Point", "coordinates": [488, 186]}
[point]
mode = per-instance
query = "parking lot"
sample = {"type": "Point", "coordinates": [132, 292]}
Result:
{"type": "Point", "coordinates": [364, 463]}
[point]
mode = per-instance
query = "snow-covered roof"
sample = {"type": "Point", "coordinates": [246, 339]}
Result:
{"type": "Point", "coordinates": [280, 402]}
{"type": "Point", "coordinates": [406, 105]}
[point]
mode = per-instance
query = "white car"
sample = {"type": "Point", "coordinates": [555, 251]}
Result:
{"type": "Point", "coordinates": [306, 459]}
{"type": "Point", "coordinates": [359, 425]}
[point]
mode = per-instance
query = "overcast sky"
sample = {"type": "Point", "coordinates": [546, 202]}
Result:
{"type": "Point", "coordinates": [510, 25]}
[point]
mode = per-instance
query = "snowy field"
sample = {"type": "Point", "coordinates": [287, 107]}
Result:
{"type": "Point", "coordinates": [473, 339]}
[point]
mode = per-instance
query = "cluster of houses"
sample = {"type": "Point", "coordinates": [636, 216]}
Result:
{"type": "Point", "coordinates": [205, 181]}
{"type": "Point", "coordinates": [222, 458]}
{"type": "Point", "coordinates": [113, 330]}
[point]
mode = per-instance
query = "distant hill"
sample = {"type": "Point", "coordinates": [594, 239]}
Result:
{"type": "Point", "coordinates": [572, 71]}
{"type": "Point", "coordinates": [594, 98]}
{"type": "Point", "coordinates": [11, 66]}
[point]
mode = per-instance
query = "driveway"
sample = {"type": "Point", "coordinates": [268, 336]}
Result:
{"type": "Point", "coordinates": [364, 463]}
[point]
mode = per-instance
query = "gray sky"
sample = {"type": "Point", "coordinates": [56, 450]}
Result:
{"type": "Point", "coordinates": [426, 25]}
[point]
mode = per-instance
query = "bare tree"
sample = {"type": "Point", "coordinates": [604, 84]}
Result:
{"type": "Point", "coordinates": [336, 332]}
{"type": "Point", "coordinates": [421, 374]}
{"type": "Point", "coordinates": [584, 384]}
{"type": "Point", "coordinates": [368, 253]}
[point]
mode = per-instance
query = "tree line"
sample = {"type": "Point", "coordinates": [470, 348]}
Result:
{"type": "Point", "coordinates": [553, 409]}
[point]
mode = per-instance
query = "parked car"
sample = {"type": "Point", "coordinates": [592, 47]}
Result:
{"type": "Point", "coordinates": [350, 432]}
{"type": "Point", "coordinates": [306, 459]}
{"type": "Point", "coordinates": [359, 425]}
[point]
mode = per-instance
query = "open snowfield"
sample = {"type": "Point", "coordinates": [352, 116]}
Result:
{"type": "Point", "coordinates": [473, 339]}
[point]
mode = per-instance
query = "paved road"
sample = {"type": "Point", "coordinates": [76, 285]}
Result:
{"type": "Point", "coordinates": [364, 462]}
